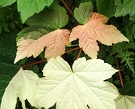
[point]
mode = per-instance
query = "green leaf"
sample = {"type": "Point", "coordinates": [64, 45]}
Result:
{"type": "Point", "coordinates": [128, 88]}
{"type": "Point", "coordinates": [83, 13]}
{"type": "Point", "coordinates": [132, 17]}
{"type": "Point", "coordinates": [106, 7]}
{"type": "Point", "coordinates": [27, 8]}
{"type": "Point", "coordinates": [6, 2]}
{"type": "Point", "coordinates": [7, 46]}
{"type": "Point", "coordinates": [50, 19]}
{"type": "Point", "coordinates": [7, 71]}
{"type": "Point", "coordinates": [31, 33]}
{"type": "Point", "coordinates": [7, 55]}
{"type": "Point", "coordinates": [127, 7]}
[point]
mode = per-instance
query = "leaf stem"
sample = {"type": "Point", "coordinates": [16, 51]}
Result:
{"type": "Point", "coordinates": [72, 49]}
{"type": "Point", "coordinates": [79, 53]}
{"type": "Point", "coordinates": [34, 63]}
{"type": "Point", "coordinates": [120, 76]}
{"type": "Point", "coordinates": [67, 7]}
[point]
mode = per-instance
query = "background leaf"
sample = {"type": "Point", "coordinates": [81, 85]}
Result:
{"type": "Point", "coordinates": [127, 7]}
{"type": "Point", "coordinates": [27, 8]}
{"type": "Point", "coordinates": [106, 7]}
{"type": "Point", "coordinates": [22, 85]}
{"type": "Point", "coordinates": [125, 102]}
{"type": "Point", "coordinates": [50, 19]}
{"type": "Point", "coordinates": [128, 88]}
{"type": "Point", "coordinates": [7, 2]}
{"type": "Point", "coordinates": [83, 13]}
{"type": "Point", "coordinates": [7, 55]}
{"type": "Point", "coordinates": [31, 33]}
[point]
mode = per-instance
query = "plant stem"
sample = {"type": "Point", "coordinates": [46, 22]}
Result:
{"type": "Point", "coordinates": [34, 63]}
{"type": "Point", "coordinates": [31, 64]}
{"type": "Point", "coordinates": [67, 7]}
{"type": "Point", "coordinates": [120, 76]}
{"type": "Point", "coordinates": [79, 53]}
{"type": "Point", "coordinates": [72, 49]}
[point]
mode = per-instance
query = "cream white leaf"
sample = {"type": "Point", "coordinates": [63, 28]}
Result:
{"type": "Point", "coordinates": [125, 102]}
{"type": "Point", "coordinates": [76, 88]}
{"type": "Point", "coordinates": [22, 85]}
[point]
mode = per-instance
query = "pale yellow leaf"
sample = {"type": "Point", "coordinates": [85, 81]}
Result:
{"type": "Point", "coordinates": [22, 85]}
{"type": "Point", "coordinates": [125, 102]}
{"type": "Point", "coordinates": [76, 88]}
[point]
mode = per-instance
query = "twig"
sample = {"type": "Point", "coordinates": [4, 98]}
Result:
{"type": "Point", "coordinates": [120, 76]}
{"type": "Point", "coordinates": [72, 49]}
{"type": "Point", "coordinates": [79, 53]}
{"type": "Point", "coordinates": [67, 7]}
{"type": "Point", "coordinates": [34, 63]}
{"type": "Point", "coordinates": [31, 64]}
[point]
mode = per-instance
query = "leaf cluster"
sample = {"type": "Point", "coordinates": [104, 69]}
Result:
{"type": "Point", "coordinates": [50, 28]}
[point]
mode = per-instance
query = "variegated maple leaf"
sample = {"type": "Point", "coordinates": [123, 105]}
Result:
{"type": "Point", "coordinates": [96, 30]}
{"type": "Point", "coordinates": [54, 42]}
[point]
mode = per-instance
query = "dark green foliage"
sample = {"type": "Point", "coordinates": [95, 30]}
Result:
{"type": "Point", "coordinates": [125, 51]}
{"type": "Point", "coordinates": [7, 55]}
{"type": "Point", "coordinates": [128, 88]}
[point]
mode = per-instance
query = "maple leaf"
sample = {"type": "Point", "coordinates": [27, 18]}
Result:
{"type": "Point", "coordinates": [96, 30]}
{"type": "Point", "coordinates": [75, 89]}
{"type": "Point", "coordinates": [54, 41]}
{"type": "Point", "coordinates": [125, 102]}
{"type": "Point", "coordinates": [22, 85]}
{"type": "Point", "coordinates": [99, 17]}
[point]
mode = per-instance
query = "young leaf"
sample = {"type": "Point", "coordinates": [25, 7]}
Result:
{"type": "Point", "coordinates": [22, 85]}
{"type": "Point", "coordinates": [6, 2]}
{"type": "Point", "coordinates": [54, 42]}
{"type": "Point", "coordinates": [127, 7]}
{"type": "Point", "coordinates": [94, 30]}
{"type": "Point", "coordinates": [83, 13]}
{"type": "Point", "coordinates": [125, 102]}
{"type": "Point", "coordinates": [30, 33]}
{"type": "Point", "coordinates": [27, 8]}
{"type": "Point", "coordinates": [78, 88]}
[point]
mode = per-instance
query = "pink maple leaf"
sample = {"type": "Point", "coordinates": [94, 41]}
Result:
{"type": "Point", "coordinates": [54, 42]}
{"type": "Point", "coordinates": [96, 30]}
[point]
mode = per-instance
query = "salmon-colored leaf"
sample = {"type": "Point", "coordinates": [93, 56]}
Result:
{"type": "Point", "coordinates": [86, 40]}
{"type": "Point", "coordinates": [54, 41]}
{"type": "Point", "coordinates": [99, 17]}
{"type": "Point", "coordinates": [96, 30]}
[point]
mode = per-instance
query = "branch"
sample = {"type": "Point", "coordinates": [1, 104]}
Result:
{"type": "Point", "coordinates": [67, 7]}
{"type": "Point", "coordinates": [79, 53]}
{"type": "Point", "coordinates": [72, 49]}
{"type": "Point", "coordinates": [120, 76]}
{"type": "Point", "coordinates": [34, 63]}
